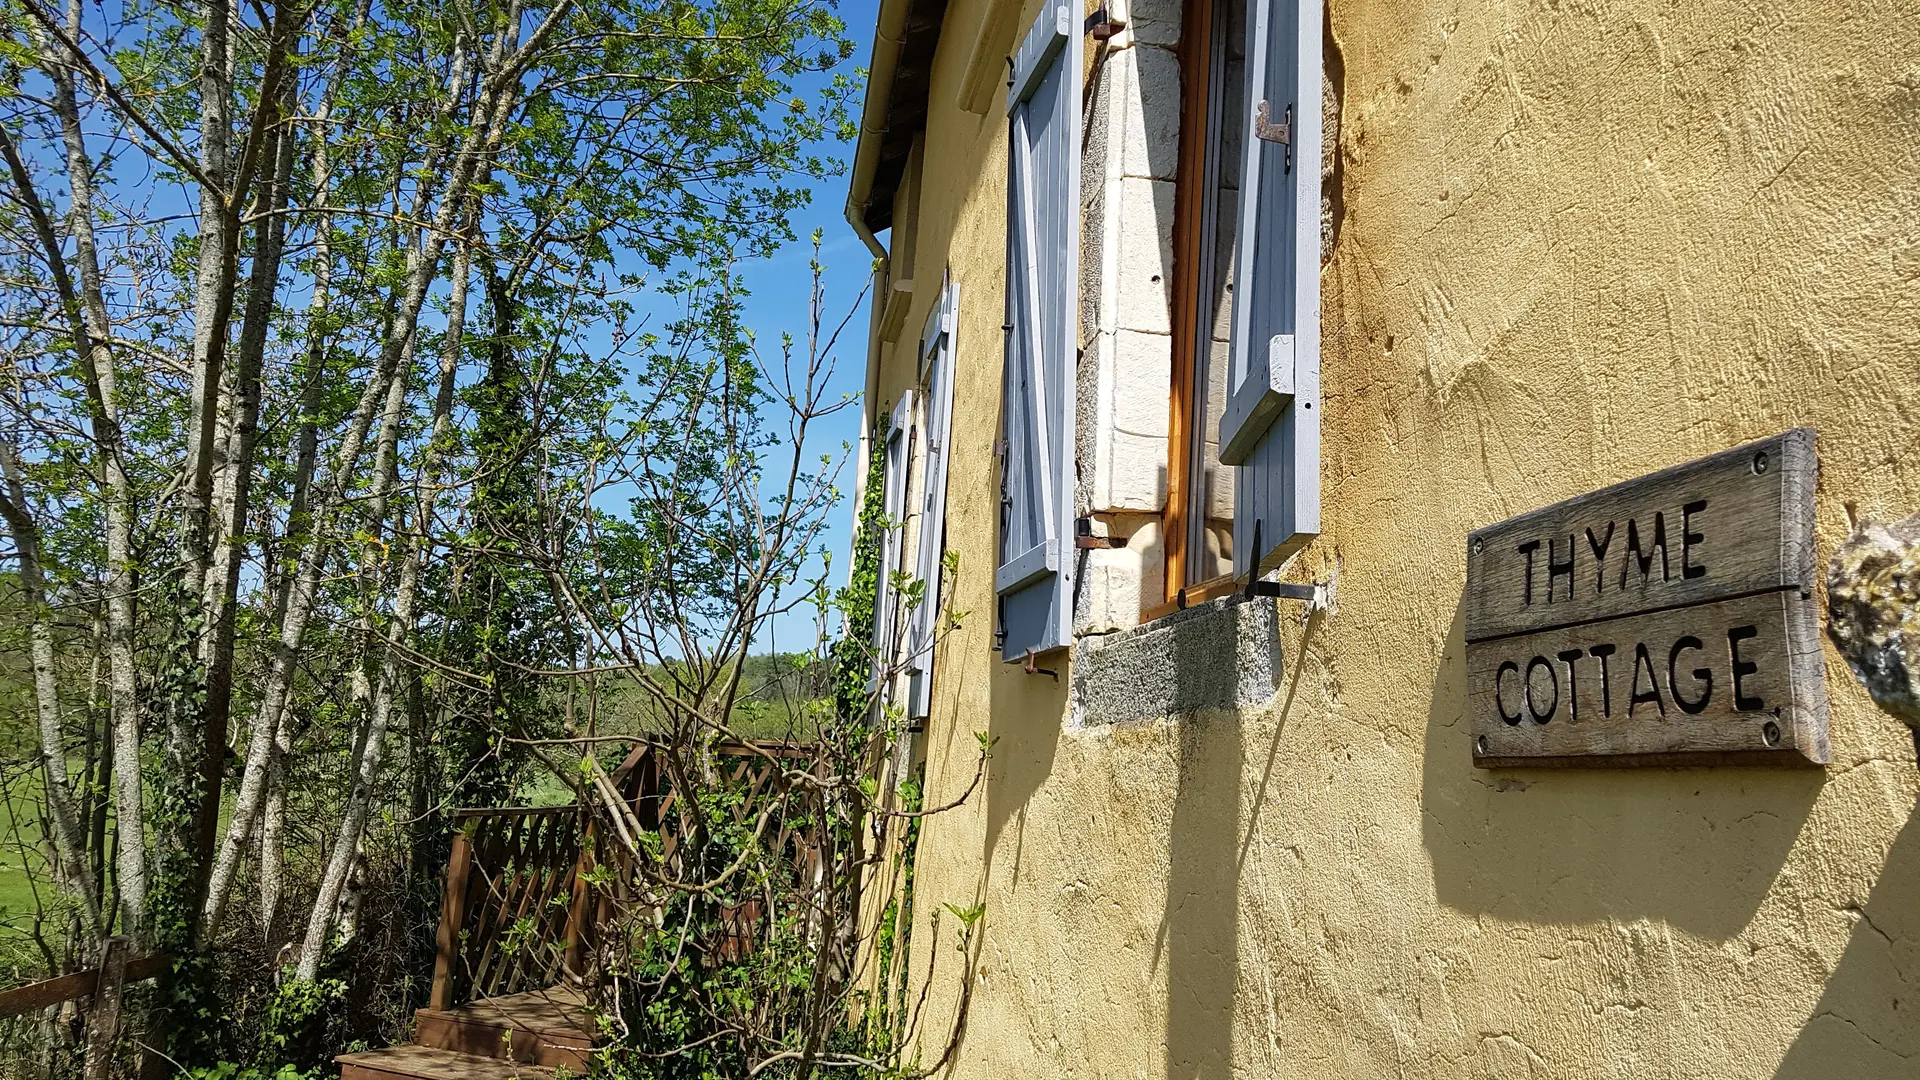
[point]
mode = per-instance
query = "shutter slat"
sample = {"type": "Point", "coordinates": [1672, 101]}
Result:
{"type": "Point", "coordinates": [1032, 329]}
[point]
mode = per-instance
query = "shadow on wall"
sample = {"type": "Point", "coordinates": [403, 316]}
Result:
{"type": "Point", "coordinates": [1200, 935]}
{"type": "Point", "coordinates": [1868, 1020]}
{"type": "Point", "coordinates": [1024, 722]}
{"type": "Point", "coordinates": [1695, 848]}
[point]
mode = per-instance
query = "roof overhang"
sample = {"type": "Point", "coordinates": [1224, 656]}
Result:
{"type": "Point", "coordinates": [905, 36]}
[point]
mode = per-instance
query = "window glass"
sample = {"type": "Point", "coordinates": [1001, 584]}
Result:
{"type": "Point", "coordinates": [1210, 513]}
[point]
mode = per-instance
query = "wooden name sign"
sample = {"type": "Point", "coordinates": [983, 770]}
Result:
{"type": "Point", "coordinates": [1665, 620]}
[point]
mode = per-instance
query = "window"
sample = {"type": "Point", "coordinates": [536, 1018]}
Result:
{"type": "Point", "coordinates": [1200, 532]}
{"type": "Point", "coordinates": [1246, 456]}
{"type": "Point", "coordinates": [1033, 581]}
{"type": "Point", "coordinates": [888, 629]}
{"type": "Point", "coordinates": [936, 385]}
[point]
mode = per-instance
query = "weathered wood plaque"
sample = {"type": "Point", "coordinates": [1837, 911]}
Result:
{"type": "Point", "coordinates": [1665, 620]}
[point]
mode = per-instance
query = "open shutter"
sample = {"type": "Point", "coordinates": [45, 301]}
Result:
{"type": "Point", "coordinates": [1270, 430]}
{"type": "Point", "coordinates": [936, 381]}
{"type": "Point", "coordinates": [886, 599]}
{"type": "Point", "coordinates": [1034, 579]}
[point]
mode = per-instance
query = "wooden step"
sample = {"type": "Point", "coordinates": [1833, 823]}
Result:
{"type": "Point", "coordinates": [427, 1063]}
{"type": "Point", "coordinates": [544, 1027]}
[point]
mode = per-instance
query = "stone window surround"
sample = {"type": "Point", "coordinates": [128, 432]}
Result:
{"type": "Point", "coordinates": [1125, 376]}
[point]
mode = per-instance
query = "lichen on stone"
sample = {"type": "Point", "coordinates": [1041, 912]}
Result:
{"type": "Point", "coordinates": [1873, 618]}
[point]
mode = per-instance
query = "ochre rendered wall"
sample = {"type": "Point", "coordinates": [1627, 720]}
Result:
{"type": "Point", "coordinates": [1581, 240]}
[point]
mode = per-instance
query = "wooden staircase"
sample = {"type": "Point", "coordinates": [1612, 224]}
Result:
{"type": "Point", "coordinates": [536, 1035]}
{"type": "Point", "coordinates": [517, 919]}
{"type": "Point", "coordinates": [507, 1000]}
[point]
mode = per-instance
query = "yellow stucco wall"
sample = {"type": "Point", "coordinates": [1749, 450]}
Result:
{"type": "Point", "coordinates": [1583, 239]}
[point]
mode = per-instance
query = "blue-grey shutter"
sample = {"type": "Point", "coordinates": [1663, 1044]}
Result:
{"type": "Point", "coordinates": [936, 381]}
{"type": "Point", "coordinates": [1270, 430]}
{"type": "Point", "coordinates": [1034, 579]}
{"type": "Point", "coordinates": [886, 614]}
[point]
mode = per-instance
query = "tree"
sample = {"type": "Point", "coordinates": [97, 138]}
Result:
{"type": "Point", "coordinates": [726, 501]}
{"type": "Point", "coordinates": [241, 242]}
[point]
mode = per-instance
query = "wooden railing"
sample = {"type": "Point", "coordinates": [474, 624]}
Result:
{"type": "Point", "coordinates": [79, 984]}
{"type": "Point", "coordinates": [514, 903]}
{"type": "Point", "coordinates": [518, 913]}
{"type": "Point", "coordinates": [749, 771]}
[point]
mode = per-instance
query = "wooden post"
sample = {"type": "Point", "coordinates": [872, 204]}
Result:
{"type": "Point", "coordinates": [579, 913]}
{"type": "Point", "coordinates": [453, 913]}
{"type": "Point", "coordinates": [103, 1016]}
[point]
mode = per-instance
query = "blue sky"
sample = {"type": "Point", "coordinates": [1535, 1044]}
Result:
{"type": "Point", "coordinates": [779, 303]}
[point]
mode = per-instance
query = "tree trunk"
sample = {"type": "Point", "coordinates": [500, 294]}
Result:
{"type": "Point", "coordinates": [214, 279]}
{"type": "Point", "coordinates": [100, 727]}
{"type": "Point", "coordinates": [221, 588]}
{"type": "Point", "coordinates": [273, 820]}
{"type": "Point", "coordinates": [69, 847]}
{"type": "Point", "coordinates": [367, 774]}
{"type": "Point", "coordinates": [315, 544]}
{"type": "Point", "coordinates": [92, 330]}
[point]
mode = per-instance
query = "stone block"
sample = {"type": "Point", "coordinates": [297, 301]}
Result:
{"type": "Point", "coordinates": [1215, 557]}
{"type": "Point", "coordinates": [1148, 111]}
{"type": "Point", "coordinates": [1142, 382]}
{"type": "Point", "coordinates": [1146, 539]}
{"type": "Point", "coordinates": [1144, 261]}
{"type": "Point", "coordinates": [1093, 424]}
{"type": "Point", "coordinates": [1219, 481]}
{"type": "Point", "coordinates": [1223, 246]}
{"type": "Point", "coordinates": [1109, 597]}
{"type": "Point", "coordinates": [1154, 22]}
{"type": "Point", "coordinates": [1218, 357]}
{"type": "Point", "coordinates": [1223, 654]}
{"type": "Point", "coordinates": [1233, 124]}
{"type": "Point", "coordinates": [1092, 394]}
{"type": "Point", "coordinates": [1097, 233]}
{"type": "Point", "coordinates": [1136, 472]}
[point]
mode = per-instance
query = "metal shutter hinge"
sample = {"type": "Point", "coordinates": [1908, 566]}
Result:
{"type": "Point", "coordinates": [1282, 132]}
{"type": "Point", "coordinates": [1084, 539]}
{"type": "Point", "coordinates": [1032, 670]}
{"type": "Point", "coordinates": [1101, 26]}
{"type": "Point", "coordinates": [1282, 590]}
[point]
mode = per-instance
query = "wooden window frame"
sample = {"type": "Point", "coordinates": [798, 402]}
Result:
{"type": "Point", "coordinates": [936, 372]}
{"type": "Point", "coordinates": [1191, 221]}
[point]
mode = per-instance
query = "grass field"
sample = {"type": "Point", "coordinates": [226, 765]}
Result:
{"type": "Point", "coordinates": [22, 865]}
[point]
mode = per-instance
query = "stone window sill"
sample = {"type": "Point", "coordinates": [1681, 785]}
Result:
{"type": "Point", "coordinates": [1223, 654]}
